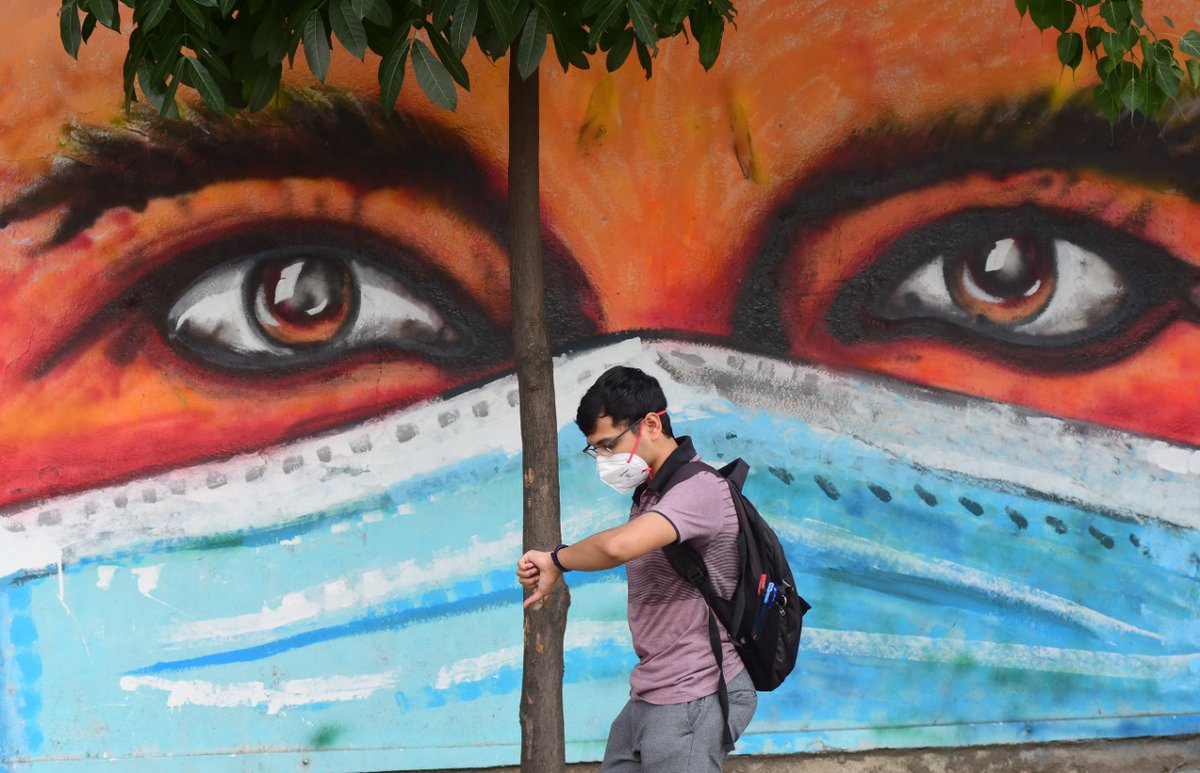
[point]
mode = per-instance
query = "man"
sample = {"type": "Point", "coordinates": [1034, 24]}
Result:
{"type": "Point", "coordinates": [673, 720]}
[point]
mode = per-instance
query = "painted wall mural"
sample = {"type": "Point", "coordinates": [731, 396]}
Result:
{"type": "Point", "coordinates": [259, 472]}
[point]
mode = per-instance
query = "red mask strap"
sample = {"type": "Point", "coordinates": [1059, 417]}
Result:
{"type": "Point", "coordinates": [638, 439]}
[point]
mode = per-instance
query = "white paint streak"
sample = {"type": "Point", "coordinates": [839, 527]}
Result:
{"type": "Point", "coordinates": [585, 634]}
{"type": "Point", "coordinates": [1002, 655]}
{"type": "Point", "coordinates": [297, 692]}
{"type": "Point", "coordinates": [883, 559]}
{"type": "Point", "coordinates": [147, 579]}
{"type": "Point", "coordinates": [105, 576]}
{"type": "Point", "coordinates": [339, 528]}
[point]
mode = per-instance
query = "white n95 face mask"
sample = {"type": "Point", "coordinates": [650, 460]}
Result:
{"type": "Point", "coordinates": [624, 472]}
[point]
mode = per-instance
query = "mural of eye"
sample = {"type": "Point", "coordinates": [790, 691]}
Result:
{"type": "Point", "coordinates": [1018, 280]}
{"type": "Point", "coordinates": [1020, 288]}
{"type": "Point", "coordinates": [304, 305]}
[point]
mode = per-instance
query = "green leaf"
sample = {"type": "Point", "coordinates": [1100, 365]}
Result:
{"type": "Point", "coordinates": [533, 44]}
{"type": "Point", "coordinates": [1052, 13]}
{"type": "Point", "coordinates": [206, 85]}
{"type": "Point", "coordinates": [1170, 23]}
{"type": "Point", "coordinates": [1193, 70]}
{"type": "Point", "coordinates": [133, 60]}
{"type": "Point", "coordinates": [316, 45]}
{"type": "Point", "coordinates": [644, 59]}
{"type": "Point", "coordinates": [620, 50]}
{"type": "Point", "coordinates": [263, 88]}
{"type": "Point", "coordinates": [569, 43]}
{"type": "Point", "coordinates": [466, 14]}
{"type": "Point", "coordinates": [1135, 9]}
{"type": "Point", "coordinates": [1135, 95]}
{"type": "Point", "coordinates": [162, 98]}
{"type": "Point", "coordinates": [1070, 49]}
{"type": "Point", "coordinates": [148, 13]}
{"type": "Point", "coordinates": [1108, 102]}
{"type": "Point", "coordinates": [710, 40]}
{"type": "Point", "coordinates": [1022, 7]}
{"type": "Point", "coordinates": [227, 7]}
{"type": "Point", "coordinates": [107, 14]}
{"type": "Point", "coordinates": [391, 73]}
{"type": "Point", "coordinates": [451, 61]}
{"type": "Point", "coordinates": [208, 3]}
{"type": "Point", "coordinates": [605, 20]}
{"type": "Point", "coordinates": [195, 14]}
{"type": "Point", "coordinates": [642, 26]}
{"type": "Point", "coordinates": [69, 28]}
{"type": "Point", "coordinates": [270, 39]}
{"type": "Point", "coordinates": [441, 12]}
{"type": "Point", "coordinates": [89, 26]}
{"type": "Point", "coordinates": [1092, 36]}
{"type": "Point", "coordinates": [433, 78]}
{"type": "Point", "coordinates": [348, 27]}
{"type": "Point", "coordinates": [506, 26]}
{"type": "Point", "coordinates": [1190, 44]}
{"type": "Point", "coordinates": [380, 13]}
{"type": "Point", "coordinates": [589, 7]}
{"type": "Point", "coordinates": [1117, 14]}
{"type": "Point", "coordinates": [1168, 78]}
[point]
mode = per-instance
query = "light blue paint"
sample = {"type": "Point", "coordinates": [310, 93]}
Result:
{"type": "Point", "coordinates": [867, 566]}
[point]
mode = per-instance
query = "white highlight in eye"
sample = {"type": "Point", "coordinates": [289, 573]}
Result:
{"type": "Point", "coordinates": [286, 287]}
{"type": "Point", "coordinates": [1002, 255]}
{"type": "Point", "coordinates": [1087, 291]}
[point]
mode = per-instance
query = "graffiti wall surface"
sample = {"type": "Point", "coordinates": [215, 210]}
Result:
{"type": "Point", "coordinates": [259, 450]}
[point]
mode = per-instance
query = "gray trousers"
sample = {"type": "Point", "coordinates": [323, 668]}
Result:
{"type": "Point", "coordinates": [678, 738]}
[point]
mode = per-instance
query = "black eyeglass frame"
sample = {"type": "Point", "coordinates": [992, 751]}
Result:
{"type": "Point", "coordinates": [607, 448]}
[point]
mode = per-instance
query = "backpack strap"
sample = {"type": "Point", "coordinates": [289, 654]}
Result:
{"type": "Point", "coordinates": [687, 562]}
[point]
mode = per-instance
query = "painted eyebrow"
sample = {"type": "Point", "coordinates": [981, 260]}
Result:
{"type": "Point", "coordinates": [315, 134]}
{"type": "Point", "coordinates": [889, 159]}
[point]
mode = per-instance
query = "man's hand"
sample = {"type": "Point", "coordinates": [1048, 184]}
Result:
{"type": "Point", "coordinates": [537, 572]}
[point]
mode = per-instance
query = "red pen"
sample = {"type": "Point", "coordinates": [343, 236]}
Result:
{"type": "Point", "coordinates": [762, 581]}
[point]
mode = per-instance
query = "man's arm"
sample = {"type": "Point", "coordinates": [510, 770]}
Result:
{"type": "Point", "coordinates": [603, 550]}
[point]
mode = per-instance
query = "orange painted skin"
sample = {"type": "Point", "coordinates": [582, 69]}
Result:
{"type": "Point", "coordinates": [660, 191]}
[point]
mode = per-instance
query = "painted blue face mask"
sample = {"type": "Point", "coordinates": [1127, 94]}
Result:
{"type": "Point", "coordinates": [979, 574]}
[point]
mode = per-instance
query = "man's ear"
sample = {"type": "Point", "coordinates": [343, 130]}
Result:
{"type": "Point", "coordinates": [653, 425]}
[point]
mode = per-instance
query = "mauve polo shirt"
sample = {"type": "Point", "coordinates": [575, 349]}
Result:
{"type": "Point", "coordinates": [667, 615]}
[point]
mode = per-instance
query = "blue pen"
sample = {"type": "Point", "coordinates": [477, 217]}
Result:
{"type": "Point", "coordinates": [768, 601]}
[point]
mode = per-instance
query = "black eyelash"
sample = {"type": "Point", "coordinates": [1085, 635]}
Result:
{"type": "Point", "coordinates": [1153, 282]}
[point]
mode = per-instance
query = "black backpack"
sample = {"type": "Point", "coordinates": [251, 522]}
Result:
{"type": "Point", "coordinates": [766, 635]}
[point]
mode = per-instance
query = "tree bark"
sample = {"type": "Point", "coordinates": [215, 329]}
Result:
{"type": "Point", "coordinates": [542, 743]}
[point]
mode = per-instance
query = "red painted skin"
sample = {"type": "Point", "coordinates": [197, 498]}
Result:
{"type": "Point", "coordinates": [661, 192]}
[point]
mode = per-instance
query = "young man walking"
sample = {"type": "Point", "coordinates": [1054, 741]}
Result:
{"type": "Point", "coordinates": [673, 721]}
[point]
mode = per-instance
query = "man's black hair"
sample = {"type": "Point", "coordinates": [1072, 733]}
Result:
{"type": "Point", "coordinates": [624, 395]}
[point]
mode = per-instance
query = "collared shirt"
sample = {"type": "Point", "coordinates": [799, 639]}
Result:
{"type": "Point", "coordinates": [667, 615]}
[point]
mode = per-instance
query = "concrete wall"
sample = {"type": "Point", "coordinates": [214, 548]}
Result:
{"type": "Point", "coordinates": [259, 444]}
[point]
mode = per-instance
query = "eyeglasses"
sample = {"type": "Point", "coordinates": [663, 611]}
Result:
{"type": "Point", "coordinates": [606, 448]}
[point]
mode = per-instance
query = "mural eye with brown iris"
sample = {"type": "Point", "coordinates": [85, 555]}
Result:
{"type": "Point", "coordinates": [1007, 282]}
{"type": "Point", "coordinates": [303, 301]}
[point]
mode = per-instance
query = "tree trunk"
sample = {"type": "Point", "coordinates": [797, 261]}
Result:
{"type": "Point", "coordinates": [542, 745]}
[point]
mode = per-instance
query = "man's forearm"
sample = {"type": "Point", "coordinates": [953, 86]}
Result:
{"type": "Point", "coordinates": [593, 554]}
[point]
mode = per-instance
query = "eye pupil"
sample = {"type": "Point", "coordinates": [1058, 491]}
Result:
{"type": "Point", "coordinates": [1010, 268]}
{"type": "Point", "coordinates": [1005, 282]}
{"type": "Point", "coordinates": [303, 300]}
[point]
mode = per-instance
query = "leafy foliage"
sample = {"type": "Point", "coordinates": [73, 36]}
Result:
{"type": "Point", "coordinates": [231, 52]}
{"type": "Point", "coordinates": [1140, 71]}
